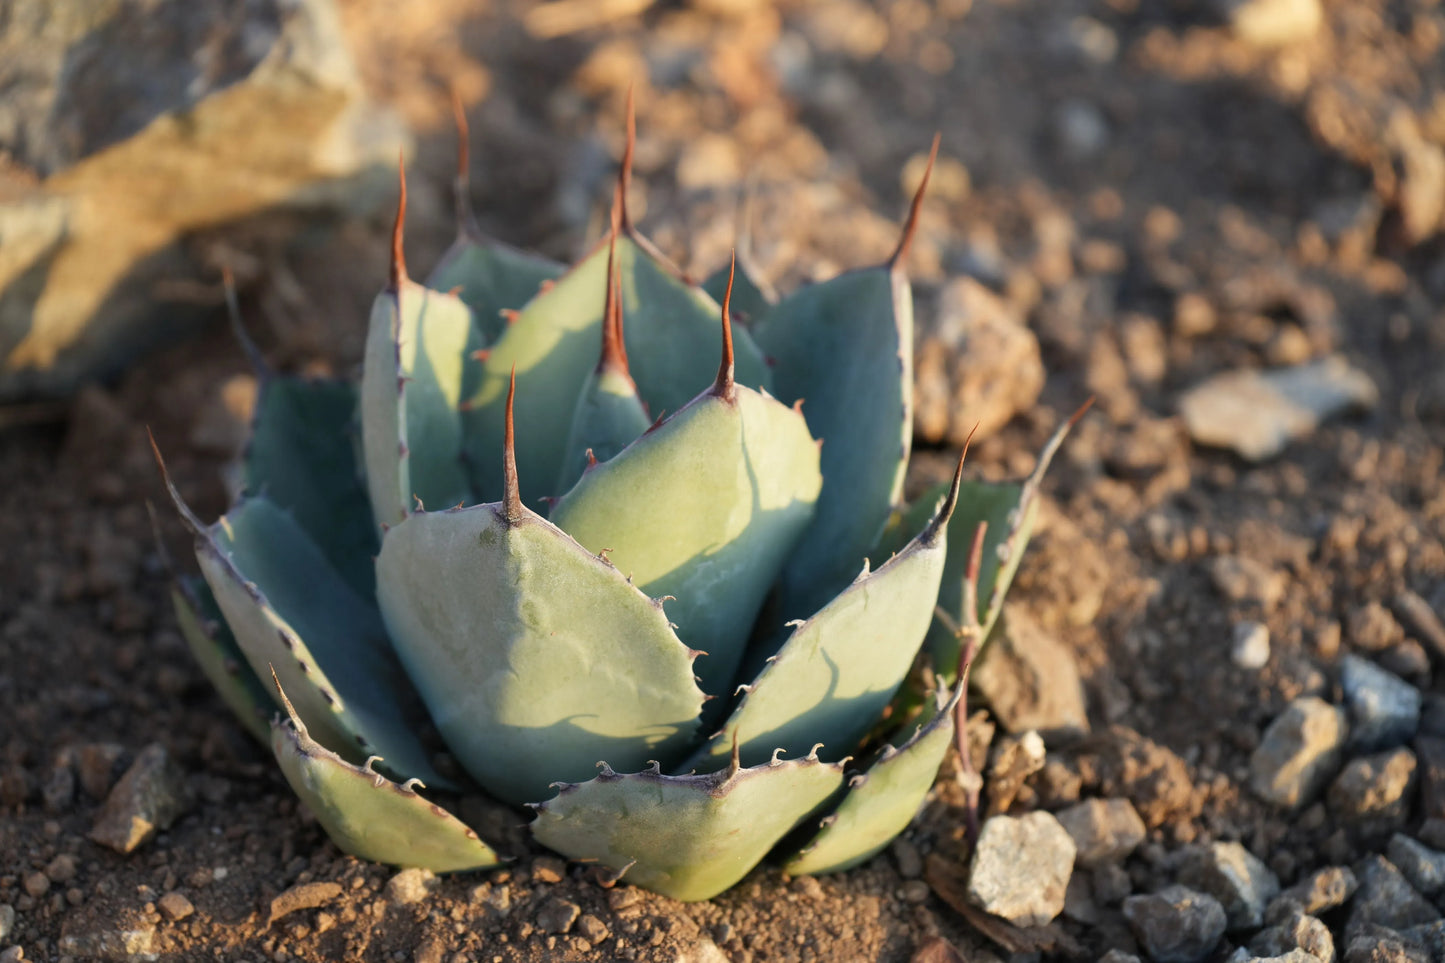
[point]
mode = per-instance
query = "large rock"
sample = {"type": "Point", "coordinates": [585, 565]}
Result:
{"type": "Point", "coordinates": [1031, 680]}
{"type": "Point", "coordinates": [1021, 868]}
{"type": "Point", "coordinates": [135, 127]}
{"type": "Point", "coordinates": [977, 364]}
{"type": "Point", "coordinates": [1103, 830]}
{"type": "Point", "coordinates": [1386, 898]}
{"type": "Point", "coordinates": [1237, 878]}
{"type": "Point", "coordinates": [1176, 924]}
{"type": "Point", "coordinates": [151, 796]}
{"type": "Point", "coordinates": [1299, 753]}
{"type": "Point", "coordinates": [1372, 793]}
{"type": "Point", "coordinates": [1258, 413]}
{"type": "Point", "coordinates": [1384, 709]}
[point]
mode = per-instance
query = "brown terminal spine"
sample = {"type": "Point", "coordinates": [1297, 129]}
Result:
{"type": "Point", "coordinates": [614, 348]}
{"type": "Point", "coordinates": [462, 185]}
{"type": "Point", "coordinates": [459, 117]}
{"type": "Point", "coordinates": [910, 227]}
{"type": "Point", "coordinates": [940, 521]}
{"type": "Point", "coordinates": [725, 388]}
{"type": "Point", "coordinates": [511, 492]}
{"type": "Point", "coordinates": [398, 256]}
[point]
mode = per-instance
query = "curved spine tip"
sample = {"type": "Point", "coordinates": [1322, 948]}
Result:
{"type": "Point", "coordinates": [1075, 418]}
{"type": "Point", "coordinates": [511, 493]}
{"type": "Point", "coordinates": [1051, 448]}
{"type": "Point", "coordinates": [945, 512]}
{"type": "Point", "coordinates": [462, 182]}
{"type": "Point", "coordinates": [296, 722]}
{"type": "Point", "coordinates": [188, 516]}
{"type": "Point", "coordinates": [238, 326]}
{"type": "Point", "coordinates": [725, 387]}
{"type": "Point", "coordinates": [459, 118]}
{"type": "Point", "coordinates": [398, 229]}
{"type": "Point", "coordinates": [910, 226]}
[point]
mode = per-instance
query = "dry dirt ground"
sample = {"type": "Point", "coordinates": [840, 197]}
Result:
{"type": "Point", "coordinates": [1160, 199]}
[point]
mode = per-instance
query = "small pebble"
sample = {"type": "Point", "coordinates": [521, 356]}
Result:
{"type": "Point", "coordinates": [557, 916]}
{"type": "Point", "coordinates": [623, 896]}
{"type": "Point", "coordinates": [907, 858]}
{"type": "Point", "coordinates": [303, 897]}
{"type": "Point", "coordinates": [174, 906]}
{"type": "Point", "coordinates": [916, 891]}
{"type": "Point", "coordinates": [593, 929]}
{"type": "Point", "coordinates": [61, 869]}
{"type": "Point", "coordinates": [808, 886]}
{"type": "Point", "coordinates": [1251, 645]}
{"type": "Point", "coordinates": [409, 886]}
{"type": "Point", "coordinates": [548, 869]}
{"type": "Point", "coordinates": [36, 884]}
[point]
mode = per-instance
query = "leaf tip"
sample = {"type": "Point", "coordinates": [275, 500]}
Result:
{"type": "Point", "coordinates": [910, 226]}
{"type": "Point", "coordinates": [398, 229]}
{"type": "Point", "coordinates": [725, 387]}
{"type": "Point", "coordinates": [511, 492]}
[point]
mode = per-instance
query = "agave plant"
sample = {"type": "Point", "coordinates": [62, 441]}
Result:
{"type": "Point", "coordinates": [625, 583]}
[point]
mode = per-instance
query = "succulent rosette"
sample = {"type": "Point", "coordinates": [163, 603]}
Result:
{"type": "Point", "coordinates": [608, 545]}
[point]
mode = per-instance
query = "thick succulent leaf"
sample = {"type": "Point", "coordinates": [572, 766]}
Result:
{"type": "Point", "coordinates": [672, 337]}
{"type": "Point", "coordinates": [705, 508]}
{"type": "Point", "coordinates": [998, 504]}
{"type": "Point", "coordinates": [418, 355]}
{"type": "Point", "coordinates": [1010, 523]}
{"type": "Point", "coordinates": [535, 657]}
{"type": "Point", "coordinates": [368, 815]}
{"type": "Point", "coordinates": [291, 612]}
{"type": "Point", "coordinates": [491, 278]}
{"type": "Point", "coordinates": [750, 298]}
{"type": "Point", "coordinates": [881, 802]}
{"type": "Point", "coordinates": [687, 837]}
{"type": "Point", "coordinates": [302, 456]}
{"type": "Point", "coordinates": [220, 658]}
{"type": "Point", "coordinates": [609, 417]}
{"type": "Point", "coordinates": [845, 349]}
{"type": "Point", "coordinates": [1010, 509]}
{"type": "Point", "coordinates": [836, 673]}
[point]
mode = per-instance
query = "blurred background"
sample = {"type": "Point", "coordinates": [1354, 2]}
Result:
{"type": "Point", "coordinates": [1223, 218]}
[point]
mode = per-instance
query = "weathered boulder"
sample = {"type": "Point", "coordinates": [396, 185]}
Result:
{"type": "Point", "coordinates": [133, 130]}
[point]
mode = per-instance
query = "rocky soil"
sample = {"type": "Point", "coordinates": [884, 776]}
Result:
{"type": "Point", "coordinates": [1215, 723]}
